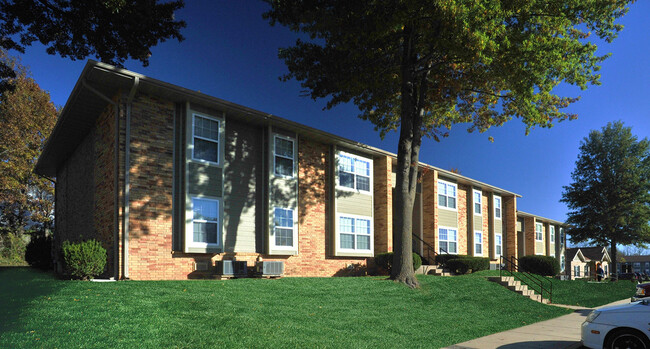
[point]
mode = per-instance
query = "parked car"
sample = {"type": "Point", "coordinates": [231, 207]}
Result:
{"type": "Point", "coordinates": [622, 326]}
{"type": "Point", "coordinates": [642, 291]}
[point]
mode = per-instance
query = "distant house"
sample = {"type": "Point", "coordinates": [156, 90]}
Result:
{"type": "Point", "coordinates": [633, 264]}
{"type": "Point", "coordinates": [173, 181]}
{"type": "Point", "coordinates": [582, 262]}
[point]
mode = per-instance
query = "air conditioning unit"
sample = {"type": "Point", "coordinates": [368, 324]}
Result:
{"type": "Point", "coordinates": [232, 268]}
{"type": "Point", "coordinates": [269, 268]}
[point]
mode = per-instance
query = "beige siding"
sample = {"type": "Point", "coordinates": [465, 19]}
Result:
{"type": "Point", "coordinates": [447, 218]}
{"type": "Point", "coordinates": [242, 174]}
{"type": "Point", "coordinates": [539, 247]}
{"type": "Point", "coordinates": [498, 227]}
{"type": "Point", "coordinates": [204, 180]}
{"type": "Point", "coordinates": [520, 224]}
{"type": "Point", "coordinates": [478, 223]}
{"type": "Point", "coordinates": [353, 203]}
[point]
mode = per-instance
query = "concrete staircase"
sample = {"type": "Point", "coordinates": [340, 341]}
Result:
{"type": "Point", "coordinates": [514, 285]}
{"type": "Point", "coordinates": [433, 270]}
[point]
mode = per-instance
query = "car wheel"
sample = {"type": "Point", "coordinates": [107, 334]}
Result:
{"type": "Point", "coordinates": [627, 339]}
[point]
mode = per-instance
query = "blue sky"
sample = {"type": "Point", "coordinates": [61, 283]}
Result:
{"type": "Point", "coordinates": [230, 52]}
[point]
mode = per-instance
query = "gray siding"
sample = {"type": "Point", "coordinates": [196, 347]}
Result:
{"type": "Point", "coordinates": [242, 174]}
{"type": "Point", "coordinates": [447, 218]}
{"type": "Point", "coordinates": [205, 180]}
{"type": "Point", "coordinates": [354, 203]}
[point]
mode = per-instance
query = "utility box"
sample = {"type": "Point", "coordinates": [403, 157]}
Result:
{"type": "Point", "coordinates": [269, 268]}
{"type": "Point", "coordinates": [232, 268]}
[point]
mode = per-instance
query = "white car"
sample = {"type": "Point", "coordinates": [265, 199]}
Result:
{"type": "Point", "coordinates": [621, 326]}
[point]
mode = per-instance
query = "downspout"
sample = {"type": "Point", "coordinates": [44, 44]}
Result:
{"type": "Point", "coordinates": [127, 184]}
{"type": "Point", "coordinates": [116, 168]}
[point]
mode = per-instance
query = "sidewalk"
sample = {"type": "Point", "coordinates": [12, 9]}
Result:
{"type": "Point", "coordinates": [561, 332]}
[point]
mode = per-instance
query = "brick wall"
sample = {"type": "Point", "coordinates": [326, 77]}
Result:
{"type": "Point", "coordinates": [488, 234]}
{"type": "Point", "coordinates": [463, 190]}
{"type": "Point", "coordinates": [383, 205]}
{"type": "Point", "coordinates": [510, 228]}
{"type": "Point", "coordinates": [429, 208]}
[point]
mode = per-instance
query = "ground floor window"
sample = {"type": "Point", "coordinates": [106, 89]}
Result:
{"type": "Point", "coordinates": [576, 271]}
{"type": "Point", "coordinates": [562, 261]}
{"type": "Point", "coordinates": [448, 240]}
{"type": "Point", "coordinates": [498, 246]}
{"type": "Point", "coordinates": [355, 233]}
{"type": "Point", "coordinates": [478, 243]}
{"type": "Point", "coordinates": [283, 227]}
{"type": "Point", "coordinates": [205, 221]}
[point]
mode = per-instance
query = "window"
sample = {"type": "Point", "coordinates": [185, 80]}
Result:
{"type": "Point", "coordinates": [283, 227]}
{"type": "Point", "coordinates": [478, 243]}
{"type": "Point", "coordinates": [478, 199]}
{"type": "Point", "coordinates": [539, 235]}
{"type": "Point", "coordinates": [497, 207]}
{"type": "Point", "coordinates": [562, 261]}
{"type": "Point", "coordinates": [562, 237]}
{"type": "Point", "coordinates": [576, 271]}
{"type": "Point", "coordinates": [586, 268]}
{"type": "Point", "coordinates": [283, 157]}
{"type": "Point", "coordinates": [498, 246]}
{"type": "Point", "coordinates": [205, 139]}
{"type": "Point", "coordinates": [606, 270]}
{"type": "Point", "coordinates": [446, 194]}
{"type": "Point", "coordinates": [552, 234]}
{"type": "Point", "coordinates": [448, 240]}
{"type": "Point", "coordinates": [205, 221]}
{"type": "Point", "coordinates": [354, 172]}
{"type": "Point", "coordinates": [354, 233]}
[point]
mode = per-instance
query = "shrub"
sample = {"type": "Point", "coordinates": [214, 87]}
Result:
{"type": "Point", "coordinates": [465, 263]}
{"type": "Point", "coordinates": [541, 265]}
{"type": "Point", "coordinates": [84, 259]}
{"type": "Point", "coordinates": [39, 252]}
{"type": "Point", "coordinates": [385, 260]}
{"type": "Point", "coordinates": [12, 249]}
{"type": "Point", "coordinates": [443, 258]}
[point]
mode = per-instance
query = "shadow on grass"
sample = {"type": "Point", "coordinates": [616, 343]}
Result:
{"type": "Point", "coordinates": [19, 288]}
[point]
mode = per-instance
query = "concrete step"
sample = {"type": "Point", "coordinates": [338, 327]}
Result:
{"type": "Point", "coordinates": [516, 286]}
{"type": "Point", "coordinates": [432, 270]}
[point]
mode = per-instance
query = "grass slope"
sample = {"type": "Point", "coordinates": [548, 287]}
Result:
{"type": "Point", "coordinates": [40, 311]}
{"type": "Point", "coordinates": [583, 293]}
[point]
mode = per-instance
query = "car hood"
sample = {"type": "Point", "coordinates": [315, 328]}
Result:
{"type": "Point", "coordinates": [643, 305]}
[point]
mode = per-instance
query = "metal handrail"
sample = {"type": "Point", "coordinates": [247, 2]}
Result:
{"type": "Point", "coordinates": [535, 279]}
{"type": "Point", "coordinates": [430, 249]}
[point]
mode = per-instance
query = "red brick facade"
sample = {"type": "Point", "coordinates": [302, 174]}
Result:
{"type": "Point", "coordinates": [383, 204]}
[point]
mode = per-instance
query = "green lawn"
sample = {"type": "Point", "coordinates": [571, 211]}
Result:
{"type": "Point", "coordinates": [583, 293]}
{"type": "Point", "coordinates": [39, 311]}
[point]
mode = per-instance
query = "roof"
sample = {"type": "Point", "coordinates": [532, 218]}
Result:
{"type": "Point", "coordinates": [540, 218]}
{"type": "Point", "coordinates": [84, 106]}
{"type": "Point", "coordinates": [571, 253]}
{"type": "Point", "coordinates": [597, 253]}
{"type": "Point", "coordinates": [633, 259]}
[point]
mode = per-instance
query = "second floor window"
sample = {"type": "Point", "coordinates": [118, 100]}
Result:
{"type": "Point", "coordinates": [478, 199]}
{"type": "Point", "coordinates": [283, 156]}
{"type": "Point", "coordinates": [539, 235]}
{"type": "Point", "coordinates": [354, 172]}
{"type": "Point", "coordinates": [205, 138]}
{"type": "Point", "coordinates": [446, 194]}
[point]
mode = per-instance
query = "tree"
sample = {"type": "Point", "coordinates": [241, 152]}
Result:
{"type": "Point", "coordinates": [27, 116]}
{"type": "Point", "coordinates": [112, 30]}
{"type": "Point", "coordinates": [422, 66]}
{"type": "Point", "coordinates": [609, 198]}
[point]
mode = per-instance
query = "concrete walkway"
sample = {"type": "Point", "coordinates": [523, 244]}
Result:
{"type": "Point", "coordinates": [561, 332]}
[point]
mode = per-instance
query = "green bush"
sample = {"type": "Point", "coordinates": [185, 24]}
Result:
{"type": "Point", "coordinates": [39, 252]}
{"type": "Point", "coordinates": [541, 265]}
{"type": "Point", "coordinates": [385, 260]}
{"type": "Point", "coordinates": [443, 258]}
{"type": "Point", "coordinates": [84, 259]}
{"type": "Point", "coordinates": [465, 264]}
{"type": "Point", "coordinates": [12, 248]}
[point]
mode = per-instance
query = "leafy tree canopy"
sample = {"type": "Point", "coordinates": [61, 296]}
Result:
{"type": "Point", "coordinates": [422, 66]}
{"type": "Point", "coordinates": [609, 197]}
{"type": "Point", "coordinates": [27, 116]}
{"type": "Point", "coordinates": [112, 30]}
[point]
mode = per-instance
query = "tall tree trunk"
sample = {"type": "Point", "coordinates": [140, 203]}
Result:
{"type": "Point", "coordinates": [613, 256]}
{"type": "Point", "coordinates": [408, 151]}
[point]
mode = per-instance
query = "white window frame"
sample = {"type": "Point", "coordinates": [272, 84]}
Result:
{"type": "Point", "coordinates": [562, 236]}
{"type": "Point", "coordinates": [539, 235]}
{"type": "Point", "coordinates": [497, 238]}
{"type": "Point", "coordinates": [446, 183]}
{"type": "Point", "coordinates": [218, 141]}
{"type": "Point", "coordinates": [456, 241]}
{"type": "Point", "coordinates": [562, 263]}
{"type": "Point", "coordinates": [499, 207]}
{"type": "Point", "coordinates": [576, 271]}
{"type": "Point", "coordinates": [480, 243]}
{"type": "Point", "coordinates": [552, 233]}
{"type": "Point", "coordinates": [293, 228]}
{"type": "Point", "coordinates": [189, 235]}
{"type": "Point", "coordinates": [276, 155]}
{"type": "Point", "coordinates": [354, 158]}
{"type": "Point", "coordinates": [339, 232]}
{"type": "Point", "coordinates": [479, 202]}
{"type": "Point", "coordinates": [586, 270]}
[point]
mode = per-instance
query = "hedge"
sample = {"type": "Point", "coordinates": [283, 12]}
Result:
{"type": "Point", "coordinates": [541, 265]}
{"type": "Point", "coordinates": [385, 260]}
{"type": "Point", "coordinates": [465, 263]}
{"type": "Point", "coordinates": [84, 259]}
{"type": "Point", "coordinates": [443, 258]}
